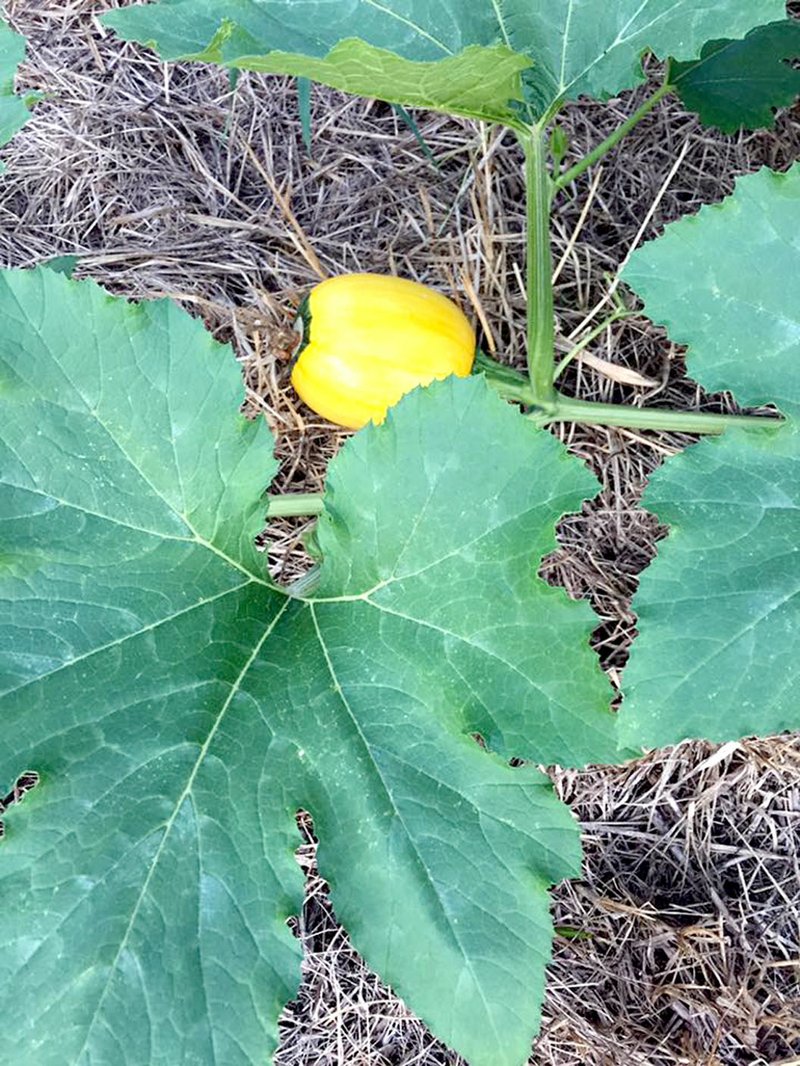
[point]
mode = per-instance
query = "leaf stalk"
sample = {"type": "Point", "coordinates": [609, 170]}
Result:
{"type": "Point", "coordinates": [292, 504]}
{"type": "Point", "coordinates": [612, 140]}
{"type": "Point", "coordinates": [568, 409]}
{"type": "Point", "coordinates": [512, 385]}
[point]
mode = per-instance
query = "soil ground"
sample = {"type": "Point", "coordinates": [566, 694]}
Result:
{"type": "Point", "coordinates": [169, 180]}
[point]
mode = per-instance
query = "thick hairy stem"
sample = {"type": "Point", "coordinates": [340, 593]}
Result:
{"type": "Point", "coordinates": [539, 268]}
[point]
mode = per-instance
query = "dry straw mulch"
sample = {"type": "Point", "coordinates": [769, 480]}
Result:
{"type": "Point", "coordinates": [168, 181]}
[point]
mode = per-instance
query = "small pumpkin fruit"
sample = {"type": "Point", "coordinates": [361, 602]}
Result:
{"type": "Point", "coordinates": [369, 339]}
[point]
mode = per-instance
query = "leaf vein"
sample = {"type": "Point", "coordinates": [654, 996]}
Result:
{"type": "Point", "coordinates": [185, 794]}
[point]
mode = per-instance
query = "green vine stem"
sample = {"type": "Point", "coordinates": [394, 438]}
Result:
{"type": "Point", "coordinates": [292, 504]}
{"type": "Point", "coordinates": [612, 140]}
{"type": "Point", "coordinates": [514, 386]}
{"type": "Point", "coordinates": [568, 409]}
{"type": "Point", "coordinates": [541, 334]}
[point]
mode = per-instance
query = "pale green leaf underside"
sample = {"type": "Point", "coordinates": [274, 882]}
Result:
{"type": "Point", "coordinates": [13, 110]}
{"type": "Point", "coordinates": [737, 84]}
{"type": "Point", "coordinates": [463, 56]}
{"type": "Point", "coordinates": [718, 655]}
{"type": "Point", "coordinates": [180, 710]}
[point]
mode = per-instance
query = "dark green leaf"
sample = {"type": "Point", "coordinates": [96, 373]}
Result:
{"type": "Point", "coordinates": [738, 84]}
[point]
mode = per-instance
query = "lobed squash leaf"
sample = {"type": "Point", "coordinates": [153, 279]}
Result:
{"type": "Point", "coordinates": [738, 84]}
{"type": "Point", "coordinates": [718, 655]}
{"type": "Point", "coordinates": [179, 708]}
{"type": "Point", "coordinates": [481, 58]}
{"type": "Point", "coordinates": [13, 109]}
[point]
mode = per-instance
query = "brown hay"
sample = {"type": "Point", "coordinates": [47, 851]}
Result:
{"type": "Point", "coordinates": [166, 181]}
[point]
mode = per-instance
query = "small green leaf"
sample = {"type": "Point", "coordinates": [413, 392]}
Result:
{"type": "Point", "coordinates": [559, 146]}
{"type": "Point", "coordinates": [481, 58]}
{"type": "Point", "coordinates": [14, 111]}
{"type": "Point", "coordinates": [63, 264]}
{"type": "Point", "coordinates": [179, 709]}
{"type": "Point", "coordinates": [569, 932]}
{"type": "Point", "coordinates": [718, 654]}
{"type": "Point", "coordinates": [738, 84]}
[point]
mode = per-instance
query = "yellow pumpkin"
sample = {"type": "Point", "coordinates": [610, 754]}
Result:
{"type": "Point", "coordinates": [371, 338]}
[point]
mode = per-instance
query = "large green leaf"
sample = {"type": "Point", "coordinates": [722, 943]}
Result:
{"type": "Point", "coordinates": [719, 610]}
{"type": "Point", "coordinates": [13, 110]}
{"type": "Point", "coordinates": [179, 709]}
{"type": "Point", "coordinates": [461, 56]}
{"type": "Point", "coordinates": [737, 84]}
